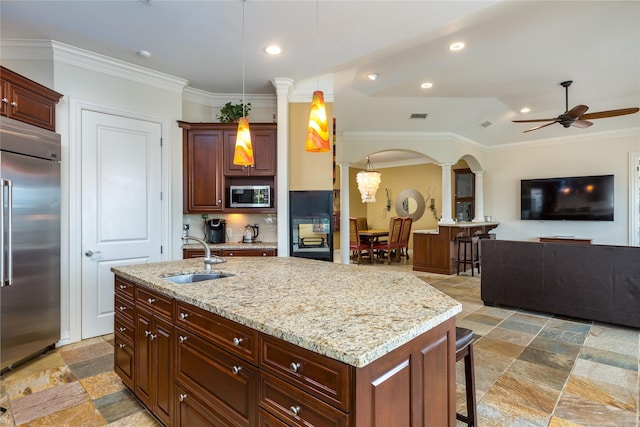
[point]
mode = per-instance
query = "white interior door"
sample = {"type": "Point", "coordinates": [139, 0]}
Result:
{"type": "Point", "coordinates": [121, 207]}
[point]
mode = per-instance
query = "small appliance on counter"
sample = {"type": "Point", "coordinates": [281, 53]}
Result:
{"type": "Point", "coordinates": [216, 230]}
{"type": "Point", "coordinates": [251, 233]}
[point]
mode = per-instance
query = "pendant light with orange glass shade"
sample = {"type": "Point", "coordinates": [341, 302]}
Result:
{"type": "Point", "coordinates": [318, 131]}
{"type": "Point", "coordinates": [243, 153]}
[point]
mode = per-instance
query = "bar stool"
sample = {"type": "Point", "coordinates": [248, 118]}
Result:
{"type": "Point", "coordinates": [464, 350]}
{"type": "Point", "coordinates": [470, 243]}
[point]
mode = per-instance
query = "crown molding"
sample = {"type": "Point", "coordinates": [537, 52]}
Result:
{"type": "Point", "coordinates": [23, 49]}
{"type": "Point", "coordinates": [219, 99]}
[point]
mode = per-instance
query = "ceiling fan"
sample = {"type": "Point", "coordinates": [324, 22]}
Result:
{"type": "Point", "coordinates": [576, 116]}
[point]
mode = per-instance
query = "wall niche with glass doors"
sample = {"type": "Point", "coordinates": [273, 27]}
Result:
{"type": "Point", "coordinates": [464, 194]}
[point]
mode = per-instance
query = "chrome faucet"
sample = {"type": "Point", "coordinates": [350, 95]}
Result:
{"type": "Point", "coordinates": [208, 260]}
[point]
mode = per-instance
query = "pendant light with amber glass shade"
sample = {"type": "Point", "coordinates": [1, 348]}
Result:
{"type": "Point", "coordinates": [318, 131]}
{"type": "Point", "coordinates": [243, 153]}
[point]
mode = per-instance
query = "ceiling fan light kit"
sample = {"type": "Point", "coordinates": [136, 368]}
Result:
{"type": "Point", "coordinates": [577, 116]}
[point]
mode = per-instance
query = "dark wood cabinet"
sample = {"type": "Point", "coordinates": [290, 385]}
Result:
{"type": "Point", "coordinates": [154, 361]}
{"type": "Point", "coordinates": [263, 141]}
{"type": "Point", "coordinates": [203, 183]}
{"type": "Point", "coordinates": [124, 332]}
{"type": "Point", "coordinates": [196, 368]}
{"type": "Point", "coordinates": [208, 169]}
{"type": "Point", "coordinates": [25, 100]}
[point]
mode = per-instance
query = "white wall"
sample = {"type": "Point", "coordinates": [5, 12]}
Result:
{"type": "Point", "coordinates": [606, 153]}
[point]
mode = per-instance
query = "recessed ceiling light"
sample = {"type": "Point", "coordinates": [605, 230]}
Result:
{"type": "Point", "coordinates": [273, 49]}
{"type": "Point", "coordinates": [426, 85]}
{"type": "Point", "coordinates": [456, 46]}
{"type": "Point", "coordinates": [143, 53]}
{"type": "Point", "coordinates": [525, 110]}
{"type": "Point", "coordinates": [372, 76]}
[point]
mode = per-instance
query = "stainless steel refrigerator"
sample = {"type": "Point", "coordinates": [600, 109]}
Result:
{"type": "Point", "coordinates": [29, 240]}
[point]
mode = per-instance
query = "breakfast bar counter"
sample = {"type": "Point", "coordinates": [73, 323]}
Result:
{"type": "Point", "coordinates": [434, 250]}
{"type": "Point", "coordinates": [391, 334]}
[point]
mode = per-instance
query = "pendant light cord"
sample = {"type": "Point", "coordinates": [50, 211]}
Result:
{"type": "Point", "coordinates": [244, 107]}
{"type": "Point", "coordinates": [318, 43]}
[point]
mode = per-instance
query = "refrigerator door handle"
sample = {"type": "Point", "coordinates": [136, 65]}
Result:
{"type": "Point", "coordinates": [6, 269]}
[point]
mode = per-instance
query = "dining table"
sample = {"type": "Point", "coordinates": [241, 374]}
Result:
{"type": "Point", "coordinates": [371, 237]}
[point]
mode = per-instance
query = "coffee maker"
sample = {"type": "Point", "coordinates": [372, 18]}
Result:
{"type": "Point", "coordinates": [216, 230]}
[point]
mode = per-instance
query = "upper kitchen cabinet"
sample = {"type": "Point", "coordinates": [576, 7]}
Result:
{"type": "Point", "coordinates": [263, 141]}
{"type": "Point", "coordinates": [203, 182]}
{"type": "Point", "coordinates": [27, 101]}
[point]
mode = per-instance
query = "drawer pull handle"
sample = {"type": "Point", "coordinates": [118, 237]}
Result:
{"type": "Point", "coordinates": [152, 337]}
{"type": "Point", "coordinates": [122, 345]}
{"type": "Point", "coordinates": [123, 286]}
{"type": "Point", "coordinates": [295, 367]}
{"type": "Point", "coordinates": [236, 370]}
{"type": "Point", "coordinates": [183, 316]}
{"type": "Point", "coordinates": [5, 100]}
{"type": "Point", "coordinates": [122, 308]}
{"type": "Point", "coordinates": [122, 329]}
{"type": "Point", "coordinates": [295, 410]}
{"type": "Point", "coordinates": [182, 397]}
{"type": "Point", "coordinates": [182, 339]}
{"type": "Point", "coordinates": [147, 333]}
{"type": "Point", "coordinates": [14, 103]}
{"type": "Point", "coordinates": [237, 341]}
{"type": "Point", "coordinates": [151, 300]}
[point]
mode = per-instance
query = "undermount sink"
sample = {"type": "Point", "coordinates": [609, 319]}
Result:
{"type": "Point", "coordinates": [183, 279]}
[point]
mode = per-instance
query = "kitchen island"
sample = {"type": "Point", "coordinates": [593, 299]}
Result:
{"type": "Point", "coordinates": [435, 251]}
{"type": "Point", "coordinates": [286, 341]}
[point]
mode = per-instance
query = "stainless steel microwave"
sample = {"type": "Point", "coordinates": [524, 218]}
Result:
{"type": "Point", "coordinates": [250, 196]}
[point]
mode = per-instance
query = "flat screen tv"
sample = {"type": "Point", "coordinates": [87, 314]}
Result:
{"type": "Point", "coordinates": [576, 198]}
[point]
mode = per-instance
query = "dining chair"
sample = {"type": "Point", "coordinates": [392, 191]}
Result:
{"type": "Point", "coordinates": [407, 221]}
{"type": "Point", "coordinates": [393, 242]}
{"type": "Point", "coordinates": [356, 246]}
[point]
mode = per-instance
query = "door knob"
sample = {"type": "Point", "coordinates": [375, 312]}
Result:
{"type": "Point", "coordinates": [91, 253]}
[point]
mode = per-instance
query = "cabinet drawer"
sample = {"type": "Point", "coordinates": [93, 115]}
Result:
{"type": "Point", "coordinates": [297, 408]}
{"type": "Point", "coordinates": [123, 327]}
{"type": "Point", "coordinates": [325, 378]}
{"type": "Point", "coordinates": [216, 376]}
{"type": "Point", "coordinates": [248, 252]}
{"type": "Point", "coordinates": [124, 287]}
{"type": "Point", "coordinates": [124, 360]}
{"type": "Point", "coordinates": [124, 307]}
{"type": "Point", "coordinates": [236, 338]}
{"type": "Point", "coordinates": [159, 304]}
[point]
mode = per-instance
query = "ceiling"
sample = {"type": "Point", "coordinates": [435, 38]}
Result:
{"type": "Point", "coordinates": [516, 55]}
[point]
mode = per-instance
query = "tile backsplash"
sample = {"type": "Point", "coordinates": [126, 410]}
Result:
{"type": "Point", "coordinates": [235, 225]}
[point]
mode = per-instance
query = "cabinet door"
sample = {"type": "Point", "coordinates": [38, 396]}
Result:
{"type": "Point", "coordinates": [263, 142]}
{"type": "Point", "coordinates": [163, 370]}
{"type": "Point", "coordinates": [143, 358]}
{"type": "Point", "coordinates": [4, 96]}
{"type": "Point", "coordinates": [202, 170]}
{"type": "Point", "coordinates": [228, 383]}
{"type": "Point", "coordinates": [192, 412]}
{"type": "Point", "coordinates": [29, 107]}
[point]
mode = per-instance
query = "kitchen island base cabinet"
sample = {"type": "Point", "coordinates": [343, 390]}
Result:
{"type": "Point", "coordinates": [223, 373]}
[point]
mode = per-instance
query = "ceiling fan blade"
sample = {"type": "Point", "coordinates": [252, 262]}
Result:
{"type": "Point", "coordinates": [577, 111]}
{"type": "Point", "coordinates": [609, 113]}
{"type": "Point", "coordinates": [582, 124]}
{"type": "Point", "coordinates": [540, 127]}
{"type": "Point", "coordinates": [532, 120]}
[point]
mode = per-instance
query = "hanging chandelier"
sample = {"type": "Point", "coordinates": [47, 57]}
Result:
{"type": "Point", "coordinates": [318, 131]}
{"type": "Point", "coordinates": [368, 182]}
{"type": "Point", "coordinates": [243, 153]}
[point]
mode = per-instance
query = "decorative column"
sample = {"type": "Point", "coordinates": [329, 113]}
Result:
{"type": "Point", "coordinates": [446, 194]}
{"type": "Point", "coordinates": [283, 88]}
{"type": "Point", "coordinates": [344, 213]}
{"type": "Point", "coordinates": [479, 201]}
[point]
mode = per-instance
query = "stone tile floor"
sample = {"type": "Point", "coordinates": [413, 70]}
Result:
{"type": "Point", "coordinates": [532, 369]}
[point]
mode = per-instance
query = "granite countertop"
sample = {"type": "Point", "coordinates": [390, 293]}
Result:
{"type": "Point", "coordinates": [234, 245]}
{"type": "Point", "coordinates": [346, 312]}
{"type": "Point", "coordinates": [465, 224]}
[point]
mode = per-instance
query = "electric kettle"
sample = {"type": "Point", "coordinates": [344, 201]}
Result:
{"type": "Point", "coordinates": [250, 233]}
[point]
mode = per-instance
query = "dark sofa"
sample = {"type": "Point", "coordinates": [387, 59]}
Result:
{"type": "Point", "coordinates": [594, 282]}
